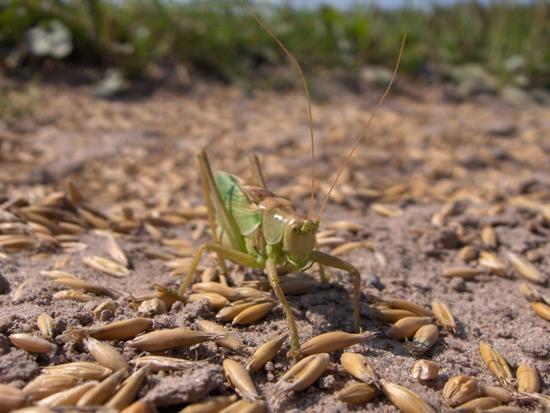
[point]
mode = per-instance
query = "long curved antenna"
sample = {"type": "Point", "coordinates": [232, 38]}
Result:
{"type": "Point", "coordinates": [362, 135]}
{"type": "Point", "coordinates": [308, 101]}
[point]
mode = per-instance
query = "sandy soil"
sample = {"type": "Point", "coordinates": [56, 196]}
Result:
{"type": "Point", "coordinates": [134, 159]}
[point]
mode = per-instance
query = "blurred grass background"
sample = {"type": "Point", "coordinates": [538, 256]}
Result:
{"type": "Point", "coordinates": [509, 40]}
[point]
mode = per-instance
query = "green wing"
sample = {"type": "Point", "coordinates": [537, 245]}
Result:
{"type": "Point", "coordinates": [246, 214]}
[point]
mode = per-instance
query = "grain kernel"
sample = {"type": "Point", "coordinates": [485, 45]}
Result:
{"type": "Point", "coordinates": [407, 327]}
{"type": "Point", "coordinates": [425, 370]}
{"type": "Point", "coordinates": [526, 269]}
{"type": "Point", "coordinates": [160, 340]}
{"type": "Point", "coordinates": [32, 344]}
{"type": "Point", "coordinates": [118, 330]}
{"type": "Point", "coordinates": [67, 397]}
{"type": "Point", "coordinates": [240, 379]}
{"type": "Point", "coordinates": [163, 363]}
{"type": "Point", "coordinates": [152, 307]}
{"type": "Point", "coordinates": [128, 390]}
{"type": "Point", "coordinates": [210, 405]}
{"type": "Point", "coordinates": [48, 384]}
{"type": "Point", "coordinates": [46, 325]}
{"type": "Point", "coordinates": [333, 341]}
{"type": "Point", "coordinates": [217, 301]}
{"type": "Point", "coordinates": [489, 236]}
{"type": "Point", "coordinates": [359, 367]}
{"type": "Point", "coordinates": [105, 354]}
{"type": "Point", "coordinates": [542, 310]}
{"type": "Point", "coordinates": [496, 363]}
{"type": "Point", "coordinates": [101, 392]}
{"type": "Point", "coordinates": [231, 341]}
{"type": "Point", "coordinates": [459, 390]}
{"type": "Point", "coordinates": [80, 369]}
{"type": "Point", "coordinates": [477, 405]}
{"type": "Point", "coordinates": [423, 340]}
{"type": "Point", "coordinates": [466, 273]}
{"type": "Point", "coordinates": [405, 399]}
{"type": "Point", "coordinates": [443, 316]}
{"type": "Point", "coordinates": [357, 393]}
{"type": "Point", "coordinates": [265, 353]}
{"type": "Point", "coordinates": [502, 394]}
{"type": "Point", "coordinates": [106, 266]}
{"type": "Point", "coordinates": [253, 314]}
{"type": "Point", "coordinates": [303, 374]}
{"type": "Point", "coordinates": [528, 380]}
{"type": "Point", "coordinates": [11, 398]}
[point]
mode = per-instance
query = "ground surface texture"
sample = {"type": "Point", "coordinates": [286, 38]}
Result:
{"type": "Point", "coordinates": [443, 170]}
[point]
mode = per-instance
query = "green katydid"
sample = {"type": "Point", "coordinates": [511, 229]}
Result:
{"type": "Point", "coordinates": [253, 227]}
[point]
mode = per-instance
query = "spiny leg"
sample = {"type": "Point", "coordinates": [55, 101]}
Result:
{"type": "Point", "coordinates": [203, 164]}
{"type": "Point", "coordinates": [236, 256]}
{"type": "Point", "coordinates": [335, 262]}
{"type": "Point", "coordinates": [275, 282]}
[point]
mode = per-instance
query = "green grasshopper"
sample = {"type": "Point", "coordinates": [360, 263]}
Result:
{"type": "Point", "coordinates": [253, 227]}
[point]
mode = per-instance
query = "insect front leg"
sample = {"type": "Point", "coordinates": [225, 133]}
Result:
{"type": "Point", "coordinates": [204, 168]}
{"type": "Point", "coordinates": [335, 262]}
{"type": "Point", "coordinates": [275, 282]}
{"type": "Point", "coordinates": [213, 200]}
{"type": "Point", "coordinates": [235, 256]}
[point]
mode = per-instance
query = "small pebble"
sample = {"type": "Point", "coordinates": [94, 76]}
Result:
{"type": "Point", "coordinates": [458, 285]}
{"type": "Point", "coordinates": [374, 281]}
{"type": "Point", "coordinates": [327, 382]}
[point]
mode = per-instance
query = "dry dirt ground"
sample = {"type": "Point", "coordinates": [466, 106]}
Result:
{"type": "Point", "coordinates": [430, 174]}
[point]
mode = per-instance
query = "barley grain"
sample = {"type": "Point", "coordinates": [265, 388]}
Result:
{"type": "Point", "coordinates": [496, 363]}
{"type": "Point", "coordinates": [359, 367]}
{"type": "Point", "coordinates": [460, 389]}
{"type": "Point", "coordinates": [105, 354]}
{"type": "Point", "coordinates": [528, 379]}
{"type": "Point", "coordinates": [252, 314]}
{"type": "Point", "coordinates": [46, 325]}
{"type": "Point", "coordinates": [160, 340]}
{"type": "Point", "coordinates": [240, 379]}
{"type": "Point", "coordinates": [425, 370]}
{"type": "Point", "coordinates": [265, 353]}
{"type": "Point", "coordinates": [333, 341]}
{"type": "Point", "coordinates": [357, 393]}
{"type": "Point", "coordinates": [32, 344]}
{"type": "Point", "coordinates": [128, 390]}
{"type": "Point", "coordinates": [405, 399]}
{"type": "Point", "coordinates": [407, 327]}
{"type": "Point", "coordinates": [102, 391]}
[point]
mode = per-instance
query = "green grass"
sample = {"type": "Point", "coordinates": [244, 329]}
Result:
{"type": "Point", "coordinates": [218, 38]}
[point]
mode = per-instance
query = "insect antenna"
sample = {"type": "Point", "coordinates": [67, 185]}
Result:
{"type": "Point", "coordinates": [362, 135]}
{"type": "Point", "coordinates": [308, 102]}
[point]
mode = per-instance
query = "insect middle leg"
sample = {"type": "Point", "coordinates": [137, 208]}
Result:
{"type": "Point", "coordinates": [236, 256]}
{"type": "Point", "coordinates": [335, 262]}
